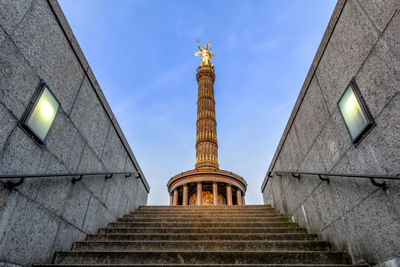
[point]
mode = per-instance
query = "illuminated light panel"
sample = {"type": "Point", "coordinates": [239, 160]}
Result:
{"type": "Point", "coordinates": [43, 114]}
{"type": "Point", "coordinates": [356, 118]}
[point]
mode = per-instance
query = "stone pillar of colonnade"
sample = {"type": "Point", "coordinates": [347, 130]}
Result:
{"type": "Point", "coordinates": [228, 195]}
{"type": "Point", "coordinates": [199, 193]}
{"type": "Point", "coordinates": [238, 197]}
{"type": "Point", "coordinates": [215, 193]}
{"type": "Point", "coordinates": [171, 199]}
{"type": "Point", "coordinates": [243, 202]}
{"type": "Point", "coordinates": [185, 197]}
{"type": "Point", "coordinates": [175, 201]}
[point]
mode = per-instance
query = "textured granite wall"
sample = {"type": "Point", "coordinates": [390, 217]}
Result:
{"type": "Point", "coordinates": [44, 215]}
{"type": "Point", "coordinates": [361, 41]}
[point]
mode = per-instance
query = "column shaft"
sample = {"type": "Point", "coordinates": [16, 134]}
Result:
{"type": "Point", "coordinates": [199, 193]}
{"type": "Point", "coordinates": [175, 197]}
{"type": "Point", "coordinates": [215, 193]}
{"type": "Point", "coordinates": [243, 202]}
{"type": "Point", "coordinates": [229, 195]}
{"type": "Point", "coordinates": [171, 199]}
{"type": "Point", "coordinates": [185, 195]}
{"type": "Point", "coordinates": [238, 197]}
{"type": "Point", "coordinates": [206, 134]}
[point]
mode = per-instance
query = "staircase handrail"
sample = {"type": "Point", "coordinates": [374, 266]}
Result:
{"type": "Point", "coordinates": [76, 176]}
{"type": "Point", "coordinates": [324, 176]}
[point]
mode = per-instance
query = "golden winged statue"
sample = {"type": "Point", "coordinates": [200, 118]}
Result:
{"type": "Point", "coordinates": [205, 54]}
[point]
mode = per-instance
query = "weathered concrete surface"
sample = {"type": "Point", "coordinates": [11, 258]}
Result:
{"type": "Point", "coordinates": [361, 42]}
{"type": "Point", "coordinates": [44, 214]}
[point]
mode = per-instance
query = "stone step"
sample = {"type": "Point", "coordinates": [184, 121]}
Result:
{"type": "Point", "coordinates": [247, 205]}
{"type": "Point", "coordinates": [203, 224]}
{"type": "Point", "coordinates": [196, 214]}
{"type": "Point", "coordinates": [202, 246]}
{"type": "Point", "coordinates": [207, 207]}
{"type": "Point", "coordinates": [210, 214]}
{"type": "Point", "coordinates": [178, 230]}
{"type": "Point", "coordinates": [205, 211]}
{"type": "Point", "coordinates": [202, 236]}
{"type": "Point", "coordinates": [203, 220]}
{"type": "Point", "coordinates": [186, 257]}
{"type": "Point", "coordinates": [234, 207]}
{"type": "Point", "coordinates": [203, 265]}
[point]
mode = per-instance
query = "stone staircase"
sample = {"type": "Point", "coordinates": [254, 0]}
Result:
{"type": "Point", "coordinates": [202, 236]}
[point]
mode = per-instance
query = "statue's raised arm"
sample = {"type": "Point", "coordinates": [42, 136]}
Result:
{"type": "Point", "coordinates": [205, 54]}
{"type": "Point", "coordinates": [198, 45]}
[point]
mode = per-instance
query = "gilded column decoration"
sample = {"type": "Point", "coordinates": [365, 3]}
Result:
{"type": "Point", "coordinates": [205, 54]}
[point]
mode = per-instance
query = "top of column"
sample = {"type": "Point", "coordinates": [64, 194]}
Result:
{"type": "Point", "coordinates": [205, 54]}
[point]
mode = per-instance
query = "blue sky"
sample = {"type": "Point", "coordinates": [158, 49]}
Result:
{"type": "Point", "coordinates": [141, 52]}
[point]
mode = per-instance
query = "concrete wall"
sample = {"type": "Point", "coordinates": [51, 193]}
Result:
{"type": "Point", "coordinates": [44, 215]}
{"type": "Point", "coordinates": [362, 41]}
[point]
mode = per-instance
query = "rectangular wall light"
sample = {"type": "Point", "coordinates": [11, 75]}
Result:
{"type": "Point", "coordinates": [40, 114]}
{"type": "Point", "coordinates": [355, 113]}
